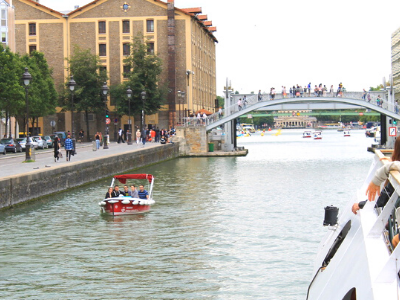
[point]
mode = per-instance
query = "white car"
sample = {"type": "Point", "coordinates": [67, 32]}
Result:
{"type": "Point", "coordinates": [41, 143]}
{"type": "Point", "coordinates": [3, 149]}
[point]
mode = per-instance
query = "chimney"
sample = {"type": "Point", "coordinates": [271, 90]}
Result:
{"type": "Point", "coordinates": [171, 63]}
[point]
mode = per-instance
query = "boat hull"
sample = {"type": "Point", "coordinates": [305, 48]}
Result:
{"type": "Point", "coordinates": [117, 208]}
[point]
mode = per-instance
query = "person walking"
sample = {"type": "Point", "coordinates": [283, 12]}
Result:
{"type": "Point", "coordinates": [364, 94]}
{"type": "Point", "coordinates": [273, 93]}
{"type": "Point", "coordinates": [369, 97]}
{"type": "Point", "coordinates": [259, 95]}
{"type": "Point", "coordinates": [56, 146]}
{"type": "Point", "coordinates": [138, 134]}
{"type": "Point", "coordinates": [239, 104]}
{"type": "Point", "coordinates": [97, 138]}
{"type": "Point", "coordinates": [284, 92]}
{"type": "Point", "coordinates": [153, 135]}
{"type": "Point", "coordinates": [69, 147]}
{"type": "Point", "coordinates": [143, 136]}
{"type": "Point", "coordinates": [332, 91]}
{"type": "Point", "coordinates": [309, 89]}
{"type": "Point", "coordinates": [290, 92]}
{"type": "Point", "coordinates": [120, 137]}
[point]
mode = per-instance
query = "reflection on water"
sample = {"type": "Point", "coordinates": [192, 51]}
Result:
{"type": "Point", "coordinates": [222, 228]}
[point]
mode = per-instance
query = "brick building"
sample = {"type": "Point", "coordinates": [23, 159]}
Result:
{"type": "Point", "coordinates": [396, 63]}
{"type": "Point", "coordinates": [183, 38]}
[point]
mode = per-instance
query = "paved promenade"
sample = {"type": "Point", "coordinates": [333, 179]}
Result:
{"type": "Point", "coordinates": [13, 163]}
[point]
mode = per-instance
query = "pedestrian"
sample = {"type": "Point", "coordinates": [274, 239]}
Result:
{"type": "Point", "coordinates": [97, 139]}
{"type": "Point", "coordinates": [56, 146]}
{"type": "Point", "coordinates": [305, 91]}
{"type": "Point", "coordinates": [204, 120]}
{"type": "Point", "coordinates": [273, 93]}
{"type": "Point", "coordinates": [379, 101]}
{"type": "Point", "coordinates": [396, 107]}
{"type": "Point", "coordinates": [220, 113]}
{"type": "Point", "coordinates": [120, 137]}
{"type": "Point", "coordinates": [284, 91]}
{"type": "Point", "coordinates": [69, 147]}
{"type": "Point", "coordinates": [259, 95]}
{"type": "Point", "coordinates": [143, 137]}
{"type": "Point", "coordinates": [290, 92]}
{"type": "Point", "coordinates": [369, 97]}
{"type": "Point", "coordinates": [81, 133]}
{"type": "Point", "coordinates": [153, 135]}
{"type": "Point", "coordinates": [198, 118]}
{"type": "Point", "coordinates": [309, 89]}
{"type": "Point", "coordinates": [364, 94]}
{"type": "Point", "coordinates": [244, 102]}
{"type": "Point", "coordinates": [157, 135]}
{"type": "Point", "coordinates": [138, 134]}
{"type": "Point", "coordinates": [239, 104]}
{"type": "Point", "coordinates": [316, 91]}
{"type": "Point", "coordinates": [301, 91]}
{"type": "Point", "coordinates": [332, 91]}
{"type": "Point", "coordinates": [324, 90]}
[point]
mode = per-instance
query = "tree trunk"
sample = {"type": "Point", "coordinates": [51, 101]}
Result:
{"type": "Point", "coordinates": [87, 125]}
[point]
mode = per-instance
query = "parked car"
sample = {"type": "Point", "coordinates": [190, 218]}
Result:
{"type": "Point", "coordinates": [22, 142]}
{"type": "Point", "coordinates": [41, 142]}
{"type": "Point", "coordinates": [49, 141]}
{"type": "Point", "coordinates": [3, 149]}
{"type": "Point", "coordinates": [11, 145]}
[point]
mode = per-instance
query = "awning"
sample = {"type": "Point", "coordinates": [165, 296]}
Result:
{"type": "Point", "coordinates": [124, 177]}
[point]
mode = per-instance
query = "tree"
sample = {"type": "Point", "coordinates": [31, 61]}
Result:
{"type": "Point", "coordinates": [42, 93]}
{"type": "Point", "coordinates": [12, 99]}
{"type": "Point", "coordinates": [144, 76]}
{"type": "Point", "coordinates": [221, 101]}
{"type": "Point", "coordinates": [86, 69]}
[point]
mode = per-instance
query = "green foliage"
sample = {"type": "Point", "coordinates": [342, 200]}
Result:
{"type": "Point", "coordinates": [221, 101]}
{"type": "Point", "coordinates": [42, 93]}
{"type": "Point", "coordinates": [12, 94]}
{"type": "Point", "coordinates": [85, 67]}
{"type": "Point", "coordinates": [145, 75]}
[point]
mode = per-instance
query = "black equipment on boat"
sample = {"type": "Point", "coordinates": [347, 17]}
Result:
{"type": "Point", "coordinates": [331, 213]}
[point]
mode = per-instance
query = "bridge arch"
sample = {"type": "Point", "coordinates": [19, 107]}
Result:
{"type": "Point", "coordinates": [232, 112]}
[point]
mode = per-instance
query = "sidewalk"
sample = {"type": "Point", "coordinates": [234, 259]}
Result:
{"type": "Point", "coordinates": [13, 164]}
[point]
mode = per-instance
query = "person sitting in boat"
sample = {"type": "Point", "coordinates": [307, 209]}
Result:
{"type": "Point", "coordinates": [133, 192]}
{"type": "Point", "coordinates": [126, 191]}
{"type": "Point", "coordinates": [109, 193]}
{"type": "Point", "coordinates": [116, 192]}
{"type": "Point", "coordinates": [143, 194]}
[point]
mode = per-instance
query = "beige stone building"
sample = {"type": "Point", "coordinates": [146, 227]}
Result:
{"type": "Point", "coordinates": [183, 38]}
{"type": "Point", "coordinates": [396, 63]}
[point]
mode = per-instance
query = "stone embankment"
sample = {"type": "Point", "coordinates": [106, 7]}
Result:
{"type": "Point", "coordinates": [31, 185]}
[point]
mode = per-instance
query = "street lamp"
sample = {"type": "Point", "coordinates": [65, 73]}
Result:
{"type": "Point", "coordinates": [183, 94]}
{"type": "Point", "coordinates": [143, 94]}
{"type": "Point", "coordinates": [71, 85]}
{"type": "Point", "coordinates": [26, 78]}
{"type": "Point", "coordinates": [179, 94]}
{"type": "Point", "coordinates": [129, 95]}
{"type": "Point", "coordinates": [104, 90]}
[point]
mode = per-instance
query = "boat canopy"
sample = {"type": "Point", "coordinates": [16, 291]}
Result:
{"type": "Point", "coordinates": [124, 177]}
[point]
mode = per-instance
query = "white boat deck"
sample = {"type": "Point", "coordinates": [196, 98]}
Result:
{"type": "Point", "coordinates": [363, 261]}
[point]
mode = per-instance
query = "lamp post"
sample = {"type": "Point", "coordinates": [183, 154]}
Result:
{"type": "Point", "coordinates": [183, 94]}
{"type": "Point", "coordinates": [129, 95]}
{"type": "Point", "coordinates": [143, 94]}
{"type": "Point", "coordinates": [179, 93]}
{"type": "Point", "coordinates": [71, 85]}
{"type": "Point", "coordinates": [104, 90]}
{"type": "Point", "coordinates": [26, 78]}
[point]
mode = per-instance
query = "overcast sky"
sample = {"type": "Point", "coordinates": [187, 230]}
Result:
{"type": "Point", "coordinates": [264, 44]}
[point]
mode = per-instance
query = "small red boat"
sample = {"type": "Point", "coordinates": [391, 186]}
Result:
{"type": "Point", "coordinates": [126, 205]}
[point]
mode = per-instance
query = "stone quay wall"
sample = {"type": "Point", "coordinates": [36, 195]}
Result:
{"type": "Point", "coordinates": [20, 188]}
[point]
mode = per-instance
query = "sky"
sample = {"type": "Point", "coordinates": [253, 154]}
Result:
{"type": "Point", "coordinates": [264, 44]}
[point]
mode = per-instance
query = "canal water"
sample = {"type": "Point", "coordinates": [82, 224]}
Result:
{"type": "Point", "coordinates": [222, 228]}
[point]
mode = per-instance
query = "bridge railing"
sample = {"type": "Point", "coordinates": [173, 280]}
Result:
{"type": "Point", "coordinates": [253, 99]}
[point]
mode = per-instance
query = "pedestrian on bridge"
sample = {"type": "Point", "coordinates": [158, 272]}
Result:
{"type": "Point", "coordinates": [291, 92]}
{"type": "Point", "coordinates": [259, 95]}
{"type": "Point", "coordinates": [309, 89]}
{"type": "Point", "coordinates": [332, 91]}
{"type": "Point", "coordinates": [364, 94]}
{"type": "Point", "coordinates": [369, 97]}
{"type": "Point", "coordinates": [239, 104]}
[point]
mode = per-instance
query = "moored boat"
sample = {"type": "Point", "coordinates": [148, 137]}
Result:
{"type": "Point", "coordinates": [356, 259]}
{"type": "Point", "coordinates": [317, 135]}
{"type": "Point", "coordinates": [126, 205]}
{"type": "Point", "coordinates": [346, 133]}
{"type": "Point", "coordinates": [307, 134]}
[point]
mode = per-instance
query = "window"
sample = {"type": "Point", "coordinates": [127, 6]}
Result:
{"type": "Point", "coordinates": [125, 26]}
{"type": "Point", "coordinates": [3, 37]}
{"type": "Point", "coordinates": [102, 50]}
{"type": "Point", "coordinates": [102, 27]}
{"type": "Point", "coordinates": [32, 28]}
{"type": "Point", "coordinates": [126, 49]}
{"type": "Point", "coordinates": [3, 18]}
{"type": "Point", "coordinates": [127, 70]}
{"type": "Point", "coordinates": [150, 48]}
{"type": "Point", "coordinates": [32, 48]}
{"type": "Point", "coordinates": [150, 25]}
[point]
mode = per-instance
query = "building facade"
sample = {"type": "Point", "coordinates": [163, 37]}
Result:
{"type": "Point", "coordinates": [183, 39]}
{"type": "Point", "coordinates": [396, 63]}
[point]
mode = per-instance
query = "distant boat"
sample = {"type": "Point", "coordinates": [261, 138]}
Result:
{"type": "Point", "coordinates": [307, 134]}
{"type": "Point", "coordinates": [317, 135]}
{"type": "Point", "coordinates": [346, 133]}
